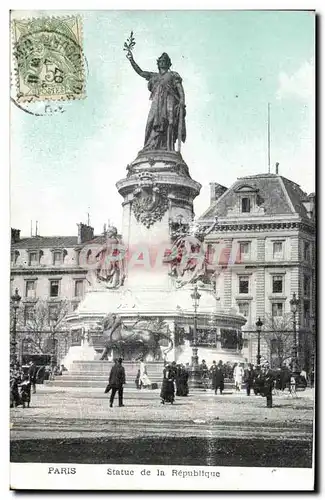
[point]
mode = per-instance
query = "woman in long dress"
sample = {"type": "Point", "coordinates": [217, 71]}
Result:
{"type": "Point", "coordinates": [144, 380]}
{"type": "Point", "coordinates": [238, 376]}
{"type": "Point", "coordinates": [167, 393]}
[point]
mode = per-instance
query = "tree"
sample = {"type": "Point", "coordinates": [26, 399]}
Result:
{"type": "Point", "coordinates": [277, 332]}
{"type": "Point", "coordinates": [39, 323]}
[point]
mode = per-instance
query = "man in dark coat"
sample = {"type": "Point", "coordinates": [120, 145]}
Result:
{"type": "Point", "coordinates": [32, 372]}
{"type": "Point", "coordinates": [249, 379]}
{"type": "Point", "coordinates": [267, 377]}
{"type": "Point", "coordinates": [116, 381]}
{"type": "Point", "coordinates": [217, 376]}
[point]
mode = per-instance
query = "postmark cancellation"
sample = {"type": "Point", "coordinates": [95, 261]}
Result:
{"type": "Point", "coordinates": [48, 58]}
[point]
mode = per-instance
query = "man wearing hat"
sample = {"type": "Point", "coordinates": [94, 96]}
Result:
{"type": "Point", "coordinates": [32, 374]}
{"type": "Point", "coordinates": [116, 381]}
{"type": "Point", "coordinates": [268, 382]}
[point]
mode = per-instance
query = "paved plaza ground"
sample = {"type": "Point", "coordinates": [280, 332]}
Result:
{"type": "Point", "coordinates": [74, 424]}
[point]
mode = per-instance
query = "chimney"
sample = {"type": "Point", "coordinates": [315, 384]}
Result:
{"type": "Point", "coordinates": [85, 233]}
{"type": "Point", "coordinates": [277, 168]}
{"type": "Point", "coordinates": [15, 235]}
{"type": "Point", "coordinates": [216, 190]}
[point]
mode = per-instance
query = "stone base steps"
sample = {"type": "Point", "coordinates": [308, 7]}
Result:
{"type": "Point", "coordinates": [96, 373]}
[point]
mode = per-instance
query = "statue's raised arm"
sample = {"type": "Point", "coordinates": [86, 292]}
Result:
{"type": "Point", "coordinates": [145, 74]}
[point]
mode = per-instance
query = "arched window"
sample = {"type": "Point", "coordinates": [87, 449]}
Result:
{"type": "Point", "coordinates": [88, 256]}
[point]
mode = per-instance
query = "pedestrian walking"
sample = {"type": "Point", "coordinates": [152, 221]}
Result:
{"type": "Point", "coordinates": [178, 381]}
{"type": "Point", "coordinates": [238, 376]}
{"type": "Point", "coordinates": [217, 376]}
{"type": "Point", "coordinates": [116, 382]}
{"type": "Point", "coordinates": [32, 373]}
{"type": "Point", "coordinates": [181, 381]}
{"type": "Point", "coordinates": [144, 380]}
{"type": "Point", "coordinates": [25, 391]}
{"type": "Point", "coordinates": [184, 379]}
{"type": "Point", "coordinates": [137, 380]}
{"type": "Point", "coordinates": [267, 377]}
{"type": "Point", "coordinates": [204, 370]}
{"type": "Point", "coordinates": [167, 393]}
{"type": "Point", "coordinates": [15, 379]}
{"type": "Point", "coordinates": [248, 378]}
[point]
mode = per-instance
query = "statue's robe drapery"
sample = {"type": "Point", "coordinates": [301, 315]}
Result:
{"type": "Point", "coordinates": [165, 109]}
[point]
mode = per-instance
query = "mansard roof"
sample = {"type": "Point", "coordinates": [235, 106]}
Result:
{"type": "Point", "coordinates": [277, 195]}
{"type": "Point", "coordinates": [38, 242]}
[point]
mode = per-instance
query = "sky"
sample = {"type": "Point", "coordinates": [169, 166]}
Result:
{"type": "Point", "coordinates": [233, 63]}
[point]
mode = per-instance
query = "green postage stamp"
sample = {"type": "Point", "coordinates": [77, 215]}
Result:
{"type": "Point", "coordinates": [48, 58]}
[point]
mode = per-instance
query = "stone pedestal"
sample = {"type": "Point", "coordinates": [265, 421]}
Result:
{"type": "Point", "coordinates": [158, 194]}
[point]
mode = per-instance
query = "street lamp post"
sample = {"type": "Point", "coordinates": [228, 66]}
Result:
{"type": "Point", "coordinates": [195, 375]}
{"type": "Point", "coordinates": [259, 325]}
{"type": "Point", "coordinates": [54, 323]}
{"type": "Point", "coordinates": [294, 303]}
{"type": "Point", "coordinates": [15, 299]}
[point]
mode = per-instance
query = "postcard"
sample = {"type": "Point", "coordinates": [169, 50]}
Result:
{"type": "Point", "coordinates": [163, 273]}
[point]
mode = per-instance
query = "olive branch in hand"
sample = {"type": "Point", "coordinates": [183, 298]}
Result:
{"type": "Point", "coordinates": [130, 43]}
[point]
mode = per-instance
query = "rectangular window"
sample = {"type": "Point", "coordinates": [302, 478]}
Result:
{"type": "Point", "coordinates": [307, 283]}
{"type": "Point", "coordinates": [277, 250]}
{"type": "Point", "coordinates": [54, 288]}
{"type": "Point", "coordinates": [31, 289]}
{"type": "Point", "coordinates": [307, 251]}
{"type": "Point", "coordinates": [243, 284]}
{"type": "Point", "coordinates": [78, 288]}
{"type": "Point", "coordinates": [277, 284]}
{"type": "Point", "coordinates": [29, 313]}
{"type": "Point", "coordinates": [244, 249]}
{"type": "Point", "coordinates": [243, 308]}
{"type": "Point", "coordinates": [32, 258]}
{"type": "Point", "coordinates": [57, 258]}
{"type": "Point", "coordinates": [245, 205]}
{"type": "Point", "coordinates": [277, 309]}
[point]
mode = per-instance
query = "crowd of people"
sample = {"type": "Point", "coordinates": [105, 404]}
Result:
{"type": "Point", "coordinates": [22, 381]}
{"type": "Point", "coordinates": [257, 378]}
{"type": "Point", "coordinates": [174, 376]}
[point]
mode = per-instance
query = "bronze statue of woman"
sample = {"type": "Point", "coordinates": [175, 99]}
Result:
{"type": "Point", "coordinates": [166, 119]}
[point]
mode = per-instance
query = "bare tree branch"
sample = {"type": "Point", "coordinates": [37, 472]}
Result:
{"type": "Point", "coordinates": [39, 328]}
{"type": "Point", "coordinates": [277, 333]}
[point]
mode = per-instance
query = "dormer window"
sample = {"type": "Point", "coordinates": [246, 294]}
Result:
{"type": "Point", "coordinates": [58, 256]}
{"type": "Point", "coordinates": [245, 205]}
{"type": "Point", "coordinates": [34, 257]}
{"type": "Point", "coordinates": [247, 201]}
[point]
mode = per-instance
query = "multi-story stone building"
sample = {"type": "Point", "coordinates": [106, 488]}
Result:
{"type": "Point", "coordinates": [262, 251]}
{"type": "Point", "coordinates": [48, 269]}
